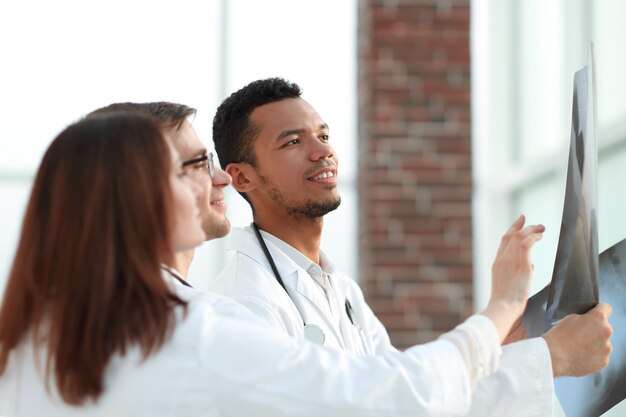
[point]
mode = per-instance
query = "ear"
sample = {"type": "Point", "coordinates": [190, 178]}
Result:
{"type": "Point", "coordinates": [243, 175]}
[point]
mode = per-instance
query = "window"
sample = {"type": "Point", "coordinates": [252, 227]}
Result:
{"type": "Point", "coordinates": [195, 52]}
{"type": "Point", "coordinates": [525, 55]}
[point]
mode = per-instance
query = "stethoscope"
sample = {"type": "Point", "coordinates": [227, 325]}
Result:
{"type": "Point", "coordinates": [312, 332]}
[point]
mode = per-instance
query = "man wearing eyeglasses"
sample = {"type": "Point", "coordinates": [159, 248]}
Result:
{"type": "Point", "coordinates": [197, 164]}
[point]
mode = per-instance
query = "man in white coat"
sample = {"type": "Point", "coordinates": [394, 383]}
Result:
{"type": "Point", "coordinates": [174, 120]}
{"type": "Point", "coordinates": [278, 152]}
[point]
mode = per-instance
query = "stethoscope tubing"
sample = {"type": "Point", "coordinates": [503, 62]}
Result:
{"type": "Point", "coordinates": [309, 328]}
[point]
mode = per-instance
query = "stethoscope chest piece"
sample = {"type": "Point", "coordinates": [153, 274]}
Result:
{"type": "Point", "coordinates": [314, 334]}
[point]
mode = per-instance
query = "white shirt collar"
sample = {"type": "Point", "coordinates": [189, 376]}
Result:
{"type": "Point", "coordinates": [313, 269]}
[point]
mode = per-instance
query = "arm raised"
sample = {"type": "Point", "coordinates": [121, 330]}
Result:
{"type": "Point", "coordinates": [512, 276]}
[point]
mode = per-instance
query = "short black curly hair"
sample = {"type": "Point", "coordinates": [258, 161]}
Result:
{"type": "Point", "coordinates": [232, 130]}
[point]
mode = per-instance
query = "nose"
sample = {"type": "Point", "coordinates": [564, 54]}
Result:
{"type": "Point", "coordinates": [221, 178]}
{"type": "Point", "coordinates": [321, 149]}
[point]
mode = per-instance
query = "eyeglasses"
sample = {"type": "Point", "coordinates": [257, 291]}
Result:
{"type": "Point", "coordinates": [201, 163]}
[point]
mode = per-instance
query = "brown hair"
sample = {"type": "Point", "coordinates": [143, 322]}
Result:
{"type": "Point", "coordinates": [168, 115]}
{"type": "Point", "coordinates": [86, 277]}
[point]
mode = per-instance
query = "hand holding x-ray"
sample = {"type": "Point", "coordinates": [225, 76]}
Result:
{"type": "Point", "coordinates": [581, 279]}
{"type": "Point", "coordinates": [574, 285]}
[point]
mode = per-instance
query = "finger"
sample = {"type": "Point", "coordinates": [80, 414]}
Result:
{"type": "Point", "coordinates": [529, 234]}
{"type": "Point", "coordinates": [528, 241]}
{"type": "Point", "coordinates": [604, 308]}
{"type": "Point", "coordinates": [517, 225]}
{"type": "Point", "coordinates": [535, 228]}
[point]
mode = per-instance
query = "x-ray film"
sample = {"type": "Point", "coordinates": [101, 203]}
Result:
{"type": "Point", "coordinates": [534, 320]}
{"type": "Point", "coordinates": [580, 277]}
{"type": "Point", "coordinates": [574, 285]}
{"type": "Point", "coordinates": [592, 395]}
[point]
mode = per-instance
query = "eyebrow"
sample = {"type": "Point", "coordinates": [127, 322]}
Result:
{"type": "Point", "coordinates": [195, 157]}
{"type": "Point", "coordinates": [192, 161]}
{"type": "Point", "coordinates": [289, 132]}
{"type": "Point", "coordinates": [199, 153]}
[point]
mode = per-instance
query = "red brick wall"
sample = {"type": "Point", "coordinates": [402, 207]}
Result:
{"type": "Point", "coordinates": [415, 165]}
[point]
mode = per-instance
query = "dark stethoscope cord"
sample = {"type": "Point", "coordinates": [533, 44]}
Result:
{"type": "Point", "coordinates": [269, 257]}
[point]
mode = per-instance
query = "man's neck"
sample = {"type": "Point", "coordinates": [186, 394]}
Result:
{"type": "Point", "coordinates": [182, 261]}
{"type": "Point", "coordinates": [302, 234]}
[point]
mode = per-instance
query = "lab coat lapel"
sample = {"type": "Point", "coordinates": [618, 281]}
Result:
{"type": "Point", "coordinates": [294, 277]}
{"type": "Point", "coordinates": [347, 329]}
{"type": "Point", "coordinates": [245, 242]}
{"type": "Point", "coordinates": [298, 282]}
{"type": "Point", "coordinates": [310, 303]}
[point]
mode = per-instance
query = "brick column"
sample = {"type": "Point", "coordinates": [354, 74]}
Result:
{"type": "Point", "coordinates": [415, 165]}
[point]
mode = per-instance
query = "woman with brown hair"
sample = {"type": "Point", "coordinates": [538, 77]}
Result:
{"type": "Point", "coordinates": [85, 283]}
{"type": "Point", "coordinates": [91, 326]}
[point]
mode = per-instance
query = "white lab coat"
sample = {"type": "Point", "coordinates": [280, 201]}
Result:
{"type": "Point", "coordinates": [523, 385]}
{"type": "Point", "coordinates": [221, 361]}
{"type": "Point", "coordinates": [249, 279]}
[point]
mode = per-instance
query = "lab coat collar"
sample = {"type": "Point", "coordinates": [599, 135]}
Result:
{"type": "Point", "coordinates": [294, 277]}
{"type": "Point", "coordinates": [291, 252]}
{"type": "Point", "coordinates": [327, 265]}
{"type": "Point", "coordinates": [244, 241]}
{"type": "Point", "coordinates": [173, 273]}
{"type": "Point", "coordinates": [314, 270]}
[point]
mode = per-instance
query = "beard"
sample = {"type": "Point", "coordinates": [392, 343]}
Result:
{"type": "Point", "coordinates": [313, 209]}
{"type": "Point", "coordinates": [307, 209]}
{"type": "Point", "coordinates": [215, 228]}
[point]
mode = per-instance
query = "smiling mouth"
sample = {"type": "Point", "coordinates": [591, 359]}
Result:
{"type": "Point", "coordinates": [323, 175]}
{"type": "Point", "coordinates": [216, 199]}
